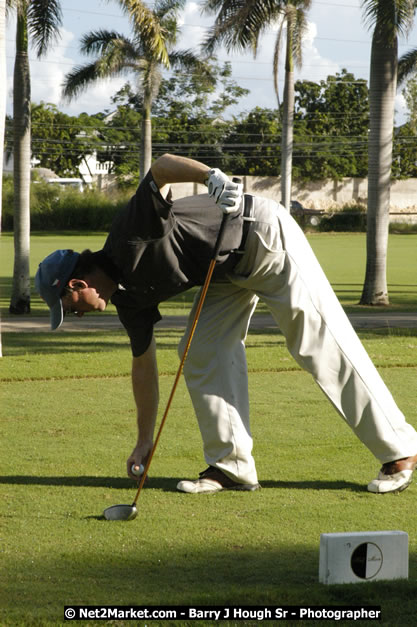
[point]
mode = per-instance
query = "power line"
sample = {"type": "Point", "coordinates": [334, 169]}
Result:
{"type": "Point", "coordinates": [199, 128]}
{"type": "Point", "coordinates": [235, 77]}
{"type": "Point", "coordinates": [356, 147]}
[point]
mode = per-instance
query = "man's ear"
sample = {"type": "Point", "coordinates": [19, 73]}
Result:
{"type": "Point", "coordinates": [77, 284]}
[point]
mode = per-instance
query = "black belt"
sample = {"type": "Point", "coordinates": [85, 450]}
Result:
{"type": "Point", "coordinates": [248, 217]}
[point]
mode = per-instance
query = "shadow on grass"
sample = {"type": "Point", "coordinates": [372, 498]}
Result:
{"type": "Point", "coordinates": [78, 342]}
{"type": "Point", "coordinates": [212, 574]}
{"type": "Point", "coordinates": [167, 339]}
{"type": "Point", "coordinates": [43, 343]}
{"type": "Point", "coordinates": [168, 484]}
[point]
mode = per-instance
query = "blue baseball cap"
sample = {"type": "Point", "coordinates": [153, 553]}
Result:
{"type": "Point", "coordinates": [52, 276]}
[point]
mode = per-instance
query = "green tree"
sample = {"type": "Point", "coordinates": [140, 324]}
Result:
{"type": "Point", "coordinates": [151, 48]}
{"type": "Point", "coordinates": [331, 123]}
{"type": "Point", "coordinates": [189, 113]}
{"type": "Point", "coordinates": [404, 156]}
{"type": "Point", "coordinates": [62, 142]}
{"type": "Point", "coordinates": [389, 18]}
{"type": "Point", "coordinates": [405, 153]}
{"type": "Point", "coordinates": [253, 145]}
{"type": "Point", "coordinates": [239, 25]}
{"type": "Point", "coordinates": [410, 95]}
{"type": "Point", "coordinates": [331, 128]}
{"type": "Point", "coordinates": [38, 21]}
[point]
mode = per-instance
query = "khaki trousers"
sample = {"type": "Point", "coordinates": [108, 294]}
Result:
{"type": "Point", "coordinates": [279, 268]}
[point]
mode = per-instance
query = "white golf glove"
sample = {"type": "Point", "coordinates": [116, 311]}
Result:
{"type": "Point", "coordinates": [227, 194]}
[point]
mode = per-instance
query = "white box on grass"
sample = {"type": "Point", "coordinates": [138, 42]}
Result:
{"type": "Point", "coordinates": [363, 556]}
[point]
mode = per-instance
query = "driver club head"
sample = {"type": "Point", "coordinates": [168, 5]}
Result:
{"type": "Point", "coordinates": [120, 512]}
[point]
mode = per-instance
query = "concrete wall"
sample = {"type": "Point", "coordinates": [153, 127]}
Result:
{"type": "Point", "coordinates": [327, 195]}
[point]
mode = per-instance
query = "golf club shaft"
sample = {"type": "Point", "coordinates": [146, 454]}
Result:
{"type": "Point", "coordinates": [187, 346]}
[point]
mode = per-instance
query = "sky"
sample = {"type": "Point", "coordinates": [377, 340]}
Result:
{"type": "Point", "coordinates": [337, 38]}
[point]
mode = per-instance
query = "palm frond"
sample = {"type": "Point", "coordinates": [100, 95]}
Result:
{"type": "Point", "coordinates": [258, 11]}
{"type": "Point", "coordinates": [300, 30]}
{"type": "Point", "coordinates": [391, 18]}
{"type": "Point", "coordinates": [222, 6]}
{"type": "Point", "coordinates": [168, 8]}
{"type": "Point", "coordinates": [276, 57]}
{"type": "Point", "coordinates": [147, 25]}
{"type": "Point", "coordinates": [405, 14]}
{"type": "Point", "coordinates": [96, 42]}
{"type": "Point", "coordinates": [44, 22]}
{"type": "Point", "coordinates": [407, 66]}
{"type": "Point", "coordinates": [78, 80]}
{"type": "Point", "coordinates": [224, 32]}
{"type": "Point", "coordinates": [114, 62]}
{"type": "Point", "coordinates": [170, 30]}
{"type": "Point", "coordinates": [240, 23]}
{"type": "Point", "coordinates": [119, 56]}
{"type": "Point", "coordinates": [10, 5]}
{"type": "Point", "coordinates": [186, 59]}
{"type": "Point", "coordinates": [295, 19]}
{"type": "Point", "coordinates": [18, 5]}
{"type": "Point", "coordinates": [304, 5]}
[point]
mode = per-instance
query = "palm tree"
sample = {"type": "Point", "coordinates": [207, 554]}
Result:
{"type": "Point", "coordinates": [239, 25]}
{"type": "Point", "coordinates": [38, 20]}
{"type": "Point", "coordinates": [391, 18]}
{"type": "Point", "coordinates": [295, 19]}
{"type": "Point", "coordinates": [151, 48]}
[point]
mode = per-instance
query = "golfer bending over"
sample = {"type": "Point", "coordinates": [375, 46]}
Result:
{"type": "Point", "coordinates": [157, 248]}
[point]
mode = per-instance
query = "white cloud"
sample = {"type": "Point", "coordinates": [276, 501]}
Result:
{"type": "Point", "coordinates": [315, 66]}
{"type": "Point", "coordinates": [401, 109]}
{"type": "Point", "coordinates": [95, 98]}
{"type": "Point", "coordinates": [193, 27]}
{"type": "Point", "coordinates": [47, 76]}
{"type": "Point", "coordinates": [47, 73]}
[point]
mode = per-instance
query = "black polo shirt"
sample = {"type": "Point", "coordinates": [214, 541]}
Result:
{"type": "Point", "coordinates": [162, 248]}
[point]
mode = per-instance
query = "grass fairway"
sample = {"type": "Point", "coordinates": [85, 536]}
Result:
{"type": "Point", "coordinates": [342, 256]}
{"type": "Point", "coordinates": [67, 428]}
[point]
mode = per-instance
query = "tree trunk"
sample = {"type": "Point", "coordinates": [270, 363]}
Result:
{"type": "Point", "coordinates": [20, 300]}
{"type": "Point", "coordinates": [3, 81]}
{"type": "Point", "coordinates": [287, 124]}
{"type": "Point", "coordinates": [146, 142]}
{"type": "Point", "coordinates": [382, 89]}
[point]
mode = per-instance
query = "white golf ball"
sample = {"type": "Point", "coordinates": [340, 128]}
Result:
{"type": "Point", "coordinates": [138, 472]}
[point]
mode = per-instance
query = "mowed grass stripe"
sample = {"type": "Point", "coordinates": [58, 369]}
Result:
{"type": "Point", "coordinates": [165, 373]}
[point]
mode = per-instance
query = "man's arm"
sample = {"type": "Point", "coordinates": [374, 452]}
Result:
{"type": "Point", "coordinates": [175, 169]}
{"type": "Point", "coordinates": [146, 395]}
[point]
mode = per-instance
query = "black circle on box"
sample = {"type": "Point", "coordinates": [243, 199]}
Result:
{"type": "Point", "coordinates": [366, 560]}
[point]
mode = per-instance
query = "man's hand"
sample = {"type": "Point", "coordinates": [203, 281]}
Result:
{"type": "Point", "coordinates": [215, 182]}
{"type": "Point", "coordinates": [139, 456]}
{"type": "Point", "coordinates": [227, 194]}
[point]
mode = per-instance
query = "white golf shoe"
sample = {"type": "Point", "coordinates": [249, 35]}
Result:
{"type": "Point", "coordinates": [394, 476]}
{"type": "Point", "coordinates": [213, 480]}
